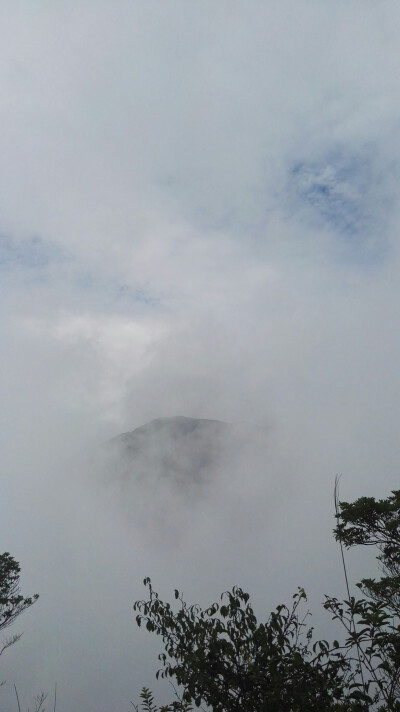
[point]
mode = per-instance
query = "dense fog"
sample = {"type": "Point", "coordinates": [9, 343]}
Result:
{"type": "Point", "coordinates": [197, 220]}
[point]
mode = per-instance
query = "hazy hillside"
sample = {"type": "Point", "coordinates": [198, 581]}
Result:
{"type": "Point", "coordinates": [183, 453]}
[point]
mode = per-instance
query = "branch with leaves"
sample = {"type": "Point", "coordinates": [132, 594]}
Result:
{"type": "Point", "coordinates": [12, 603]}
{"type": "Point", "coordinates": [224, 660]}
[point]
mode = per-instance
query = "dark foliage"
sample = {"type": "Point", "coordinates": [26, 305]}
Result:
{"type": "Point", "coordinates": [12, 603]}
{"type": "Point", "coordinates": [373, 623]}
{"type": "Point", "coordinates": [224, 660]}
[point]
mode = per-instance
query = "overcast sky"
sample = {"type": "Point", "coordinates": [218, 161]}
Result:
{"type": "Point", "coordinates": [199, 216]}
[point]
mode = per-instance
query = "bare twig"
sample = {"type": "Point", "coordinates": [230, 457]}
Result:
{"type": "Point", "coordinates": [7, 642]}
{"type": "Point", "coordinates": [16, 694]}
{"type": "Point", "coordinates": [40, 700]}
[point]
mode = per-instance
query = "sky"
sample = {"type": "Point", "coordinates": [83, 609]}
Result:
{"type": "Point", "coordinates": [198, 217]}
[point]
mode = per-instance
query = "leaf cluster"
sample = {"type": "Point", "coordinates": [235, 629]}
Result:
{"type": "Point", "coordinates": [223, 658]}
{"type": "Point", "coordinates": [370, 522]}
{"type": "Point", "coordinates": [373, 623]}
{"type": "Point", "coordinates": [12, 603]}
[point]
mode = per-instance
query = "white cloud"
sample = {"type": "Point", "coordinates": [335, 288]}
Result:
{"type": "Point", "coordinates": [158, 257]}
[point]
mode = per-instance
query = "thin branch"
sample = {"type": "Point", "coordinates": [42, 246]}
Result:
{"type": "Point", "coordinates": [16, 694]}
{"type": "Point", "coordinates": [40, 700]}
{"type": "Point", "coordinates": [336, 499]}
{"type": "Point", "coordinates": [8, 642]}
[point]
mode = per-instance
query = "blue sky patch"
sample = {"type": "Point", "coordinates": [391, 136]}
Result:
{"type": "Point", "coordinates": [37, 261]}
{"type": "Point", "coordinates": [33, 254]}
{"type": "Point", "coordinates": [341, 192]}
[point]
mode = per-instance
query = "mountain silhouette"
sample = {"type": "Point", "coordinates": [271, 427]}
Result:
{"type": "Point", "coordinates": [187, 452]}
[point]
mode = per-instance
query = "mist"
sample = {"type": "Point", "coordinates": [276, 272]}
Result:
{"type": "Point", "coordinates": [197, 218]}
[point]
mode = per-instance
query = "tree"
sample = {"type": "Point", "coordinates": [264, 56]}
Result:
{"type": "Point", "coordinates": [224, 660]}
{"type": "Point", "coordinates": [368, 522]}
{"type": "Point", "coordinates": [12, 603]}
{"type": "Point", "coordinates": [373, 623]}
